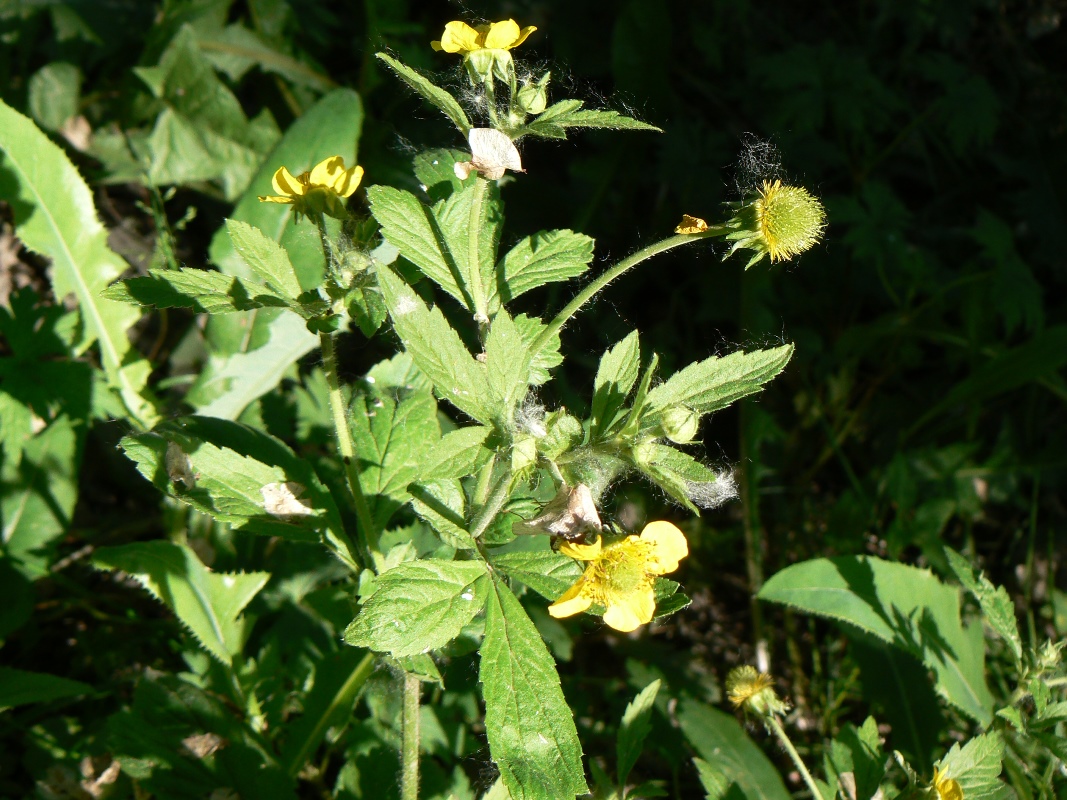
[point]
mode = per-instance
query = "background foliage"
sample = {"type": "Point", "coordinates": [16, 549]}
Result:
{"type": "Point", "coordinates": [923, 405]}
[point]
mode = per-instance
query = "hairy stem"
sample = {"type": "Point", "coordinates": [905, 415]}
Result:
{"type": "Point", "coordinates": [474, 261]}
{"type": "Point", "coordinates": [586, 294]}
{"type": "Point", "coordinates": [368, 533]}
{"type": "Point", "coordinates": [779, 731]}
{"type": "Point", "coordinates": [409, 776]}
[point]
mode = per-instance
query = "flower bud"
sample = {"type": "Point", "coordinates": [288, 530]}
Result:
{"type": "Point", "coordinates": [779, 221]}
{"type": "Point", "coordinates": [562, 433]}
{"type": "Point", "coordinates": [753, 691]}
{"type": "Point", "coordinates": [533, 97]}
{"type": "Point", "coordinates": [679, 424]}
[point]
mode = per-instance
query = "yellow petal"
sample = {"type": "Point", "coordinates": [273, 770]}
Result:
{"type": "Point", "coordinates": [502, 35]}
{"type": "Point", "coordinates": [523, 34]}
{"type": "Point", "coordinates": [571, 602]}
{"type": "Point", "coordinates": [583, 552]}
{"type": "Point", "coordinates": [632, 610]}
{"type": "Point", "coordinates": [285, 183]}
{"type": "Point", "coordinates": [459, 37]}
{"type": "Point", "coordinates": [327, 172]}
{"type": "Point", "coordinates": [348, 182]}
{"type": "Point", "coordinates": [668, 546]}
{"type": "Point", "coordinates": [691, 225]}
{"type": "Point", "coordinates": [274, 199]}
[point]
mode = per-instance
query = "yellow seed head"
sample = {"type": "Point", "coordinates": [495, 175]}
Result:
{"type": "Point", "coordinates": [779, 220]}
{"type": "Point", "coordinates": [753, 691]}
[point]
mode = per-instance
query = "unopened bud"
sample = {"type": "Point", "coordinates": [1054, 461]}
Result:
{"type": "Point", "coordinates": [533, 97]}
{"type": "Point", "coordinates": [679, 424]}
{"type": "Point", "coordinates": [562, 433]}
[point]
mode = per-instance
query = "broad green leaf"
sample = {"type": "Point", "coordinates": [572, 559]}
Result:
{"type": "Point", "coordinates": [457, 454]}
{"type": "Point", "coordinates": [232, 382]}
{"type": "Point", "coordinates": [235, 50]}
{"type": "Point", "coordinates": [55, 217]}
{"type": "Point", "coordinates": [532, 738]}
{"type": "Point", "coordinates": [857, 752]}
{"type": "Point", "coordinates": [677, 473]}
{"type": "Point", "coordinates": [615, 377]}
{"type": "Point", "coordinates": [434, 95]}
{"type": "Point", "coordinates": [548, 573]}
{"type": "Point", "coordinates": [392, 439]}
{"type": "Point", "coordinates": [419, 606]}
{"type": "Point", "coordinates": [507, 364]}
{"type": "Point", "coordinates": [714, 780]}
{"type": "Point", "coordinates": [469, 223]}
{"type": "Point", "coordinates": [435, 170]}
{"type": "Point", "coordinates": [997, 607]}
{"type": "Point", "coordinates": [203, 291]}
{"type": "Point", "coordinates": [266, 257]}
{"type": "Point", "coordinates": [437, 349]}
{"type": "Point", "coordinates": [721, 741]}
{"type": "Point", "coordinates": [54, 91]}
{"type": "Point", "coordinates": [553, 122]}
{"type": "Point", "coordinates": [241, 476]}
{"type": "Point", "coordinates": [442, 504]}
{"type": "Point", "coordinates": [209, 604]}
{"type": "Point", "coordinates": [976, 766]}
{"type": "Point", "coordinates": [40, 489]}
{"type": "Point", "coordinates": [339, 679]}
{"type": "Point", "coordinates": [906, 607]}
{"type": "Point", "coordinates": [19, 687]}
{"type": "Point", "coordinates": [634, 730]}
{"type": "Point", "coordinates": [411, 226]}
{"type": "Point", "coordinates": [716, 382]}
{"type": "Point", "coordinates": [545, 257]}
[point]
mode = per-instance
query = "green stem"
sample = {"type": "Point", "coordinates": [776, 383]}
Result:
{"type": "Point", "coordinates": [586, 294]}
{"type": "Point", "coordinates": [368, 533]}
{"type": "Point", "coordinates": [776, 727]}
{"type": "Point", "coordinates": [409, 776]}
{"type": "Point", "coordinates": [487, 513]}
{"type": "Point", "coordinates": [474, 262]}
{"type": "Point", "coordinates": [490, 99]}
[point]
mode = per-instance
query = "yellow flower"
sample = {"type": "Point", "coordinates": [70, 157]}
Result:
{"type": "Point", "coordinates": [318, 191]}
{"type": "Point", "coordinates": [620, 576]}
{"type": "Point", "coordinates": [947, 788]}
{"type": "Point", "coordinates": [780, 221]}
{"type": "Point", "coordinates": [459, 37]}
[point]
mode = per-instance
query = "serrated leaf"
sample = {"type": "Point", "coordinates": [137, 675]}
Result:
{"type": "Point", "coordinates": [553, 122]}
{"type": "Point", "coordinates": [997, 607]}
{"type": "Point", "coordinates": [548, 573]}
{"type": "Point", "coordinates": [391, 439]}
{"type": "Point", "coordinates": [230, 466]}
{"type": "Point", "coordinates": [267, 259]}
{"type": "Point", "coordinates": [634, 729]}
{"type": "Point", "coordinates": [906, 607]}
{"type": "Point", "coordinates": [507, 363]}
{"type": "Point", "coordinates": [675, 472]}
{"type": "Point", "coordinates": [457, 454]}
{"type": "Point", "coordinates": [858, 752]}
{"type": "Point", "coordinates": [721, 741]}
{"type": "Point", "coordinates": [716, 382]}
{"type": "Point", "coordinates": [545, 257]}
{"type": "Point", "coordinates": [443, 505]}
{"type": "Point", "coordinates": [200, 290]}
{"type": "Point", "coordinates": [55, 217]}
{"type": "Point", "coordinates": [209, 604]}
{"type": "Point", "coordinates": [434, 95]}
{"type": "Point", "coordinates": [435, 170]}
{"type": "Point", "coordinates": [976, 766]}
{"type": "Point", "coordinates": [437, 349]}
{"type": "Point", "coordinates": [547, 357]}
{"type": "Point", "coordinates": [714, 780]}
{"type": "Point", "coordinates": [615, 377]}
{"type": "Point", "coordinates": [419, 606]}
{"type": "Point", "coordinates": [19, 687]}
{"type": "Point", "coordinates": [532, 738]}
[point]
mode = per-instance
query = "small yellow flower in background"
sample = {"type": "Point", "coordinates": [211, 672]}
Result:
{"type": "Point", "coordinates": [780, 221]}
{"type": "Point", "coordinates": [459, 37]}
{"type": "Point", "coordinates": [690, 225]}
{"type": "Point", "coordinates": [947, 788]}
{"type": "Point", "coordinates": [620, 575]}
{"type": "Point", "coordinates": [320, 190]}
{"type": "Point", "coordinates": [752, 690]}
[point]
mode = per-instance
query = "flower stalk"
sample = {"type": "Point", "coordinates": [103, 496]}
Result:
{"type": "Point", "coordinates": [409, 775]}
